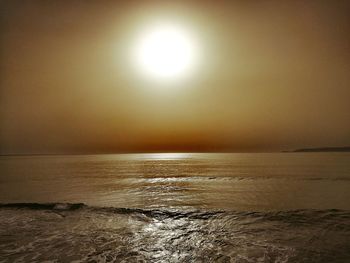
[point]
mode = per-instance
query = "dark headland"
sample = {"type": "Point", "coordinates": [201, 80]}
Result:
{"type": "Point", "coordinates": [323, 149]}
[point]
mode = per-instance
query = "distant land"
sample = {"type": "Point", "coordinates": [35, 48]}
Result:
{"type": "Point", "coordinates": [323, 149]}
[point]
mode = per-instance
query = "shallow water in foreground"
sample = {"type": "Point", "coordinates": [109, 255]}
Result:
{"type": "Point", "coordinates": [176, 208]}
{"type": "Point", "coordinates": [37, 233]}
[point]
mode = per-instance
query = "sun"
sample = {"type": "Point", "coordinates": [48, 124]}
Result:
{"type": "Point", "coordinates": [165, 51]}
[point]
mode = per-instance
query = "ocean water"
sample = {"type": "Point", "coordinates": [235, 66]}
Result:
{"type": "Point", "coordinates": [183, 207]}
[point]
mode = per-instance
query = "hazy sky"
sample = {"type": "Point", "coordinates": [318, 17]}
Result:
{"type": "Point", "coordinates": [273, 75]}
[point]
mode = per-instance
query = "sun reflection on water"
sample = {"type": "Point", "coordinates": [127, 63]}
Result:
{"type": "Point", "coordinates": [166, 156]}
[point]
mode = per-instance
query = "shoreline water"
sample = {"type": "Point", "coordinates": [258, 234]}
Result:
{"type": "Point", "coordinates": [80, 233]}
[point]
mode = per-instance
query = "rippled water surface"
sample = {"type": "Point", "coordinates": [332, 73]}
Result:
{"type": "Point", "coordinates": [281, 207]}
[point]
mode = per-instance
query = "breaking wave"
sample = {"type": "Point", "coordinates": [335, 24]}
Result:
{"type": "Point", "coordinates": [82, 233]}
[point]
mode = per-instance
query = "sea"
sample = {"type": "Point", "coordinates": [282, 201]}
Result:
{"type": "Point", "coordinates": [175, 207]}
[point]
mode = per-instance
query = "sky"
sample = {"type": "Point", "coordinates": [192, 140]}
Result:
{"type": "Point", "coordinates": [271, 76]}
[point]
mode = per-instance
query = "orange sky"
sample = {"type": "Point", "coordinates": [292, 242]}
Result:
{"type": "Point", "coordinates": [274, 75]}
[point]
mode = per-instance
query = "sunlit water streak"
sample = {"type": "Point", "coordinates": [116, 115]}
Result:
{"type": "Point", "coordinates": [176, 208]}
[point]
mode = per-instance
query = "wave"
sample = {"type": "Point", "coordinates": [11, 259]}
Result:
{"type": "Point", "coordinates": [239, 178]}
{"type": "Point", "coordinates": [289, 215]}
{"type": "Point", "coordinates": [77, 231]}
{"type": "Point", "coordinates": [44, 206]}
{"type": "Point", "coordinates": [154, 213]}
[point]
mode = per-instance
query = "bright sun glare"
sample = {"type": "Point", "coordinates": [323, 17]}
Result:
{"type": "Point", "coordinates": [165, 52]}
